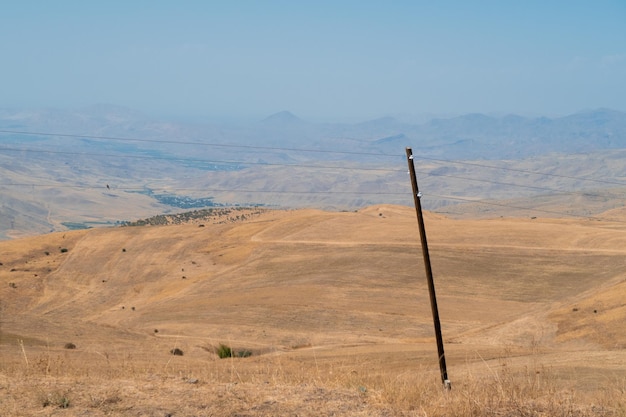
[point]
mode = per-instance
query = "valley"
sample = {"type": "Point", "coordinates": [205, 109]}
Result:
{"type": "Point", "coordinates": [104, 165]}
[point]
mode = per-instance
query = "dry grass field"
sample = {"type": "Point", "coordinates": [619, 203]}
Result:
{"type": "Point", "coordinates": [324, 313]}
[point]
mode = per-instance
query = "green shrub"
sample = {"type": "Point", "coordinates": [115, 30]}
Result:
{"type": "Point", "coordinates": [55, 399]}
{"type": "Point", "coordinates": [224, 351]}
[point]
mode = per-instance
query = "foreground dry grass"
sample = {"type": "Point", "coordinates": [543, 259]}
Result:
{"type": "Point", "coordinates": [331, 308]}
{"type": "Point", "coordinates": [57, 384]}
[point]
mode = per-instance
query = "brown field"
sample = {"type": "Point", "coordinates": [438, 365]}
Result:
{"type": "Point", "coordinates": [327, 315]}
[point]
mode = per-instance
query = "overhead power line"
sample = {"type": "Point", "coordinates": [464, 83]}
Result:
{"type": "Point", "coordinates": [305, 150]}
{"type": "Point", "coordinates": [510, 206]}
{"type": "Point", "coordinates": [208, 190]}
{"type": "Point", "coordinates": [524, 171]}
{"type": "Point", "coordinates": [301, 166]}
{"type": "Point", "coordinates": [211, 144]}
{"type": "Point", "coordinates": [195, 160]}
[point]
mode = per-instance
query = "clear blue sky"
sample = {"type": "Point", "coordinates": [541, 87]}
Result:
{"type": "Point", "coordinates": [322, 60]}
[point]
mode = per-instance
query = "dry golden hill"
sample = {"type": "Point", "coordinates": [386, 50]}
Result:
{"type": "Point", "coordinates": [310, 297]}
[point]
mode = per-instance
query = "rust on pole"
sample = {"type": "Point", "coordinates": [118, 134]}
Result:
{"type": "Point", "coordinates": [417, 195]}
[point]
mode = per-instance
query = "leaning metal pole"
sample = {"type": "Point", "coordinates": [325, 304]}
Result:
{"type": "Point", "coordinates": [417, 195]}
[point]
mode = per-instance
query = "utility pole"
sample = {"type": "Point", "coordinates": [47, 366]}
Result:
{"type": "Point", "coordinates": [417, 195]}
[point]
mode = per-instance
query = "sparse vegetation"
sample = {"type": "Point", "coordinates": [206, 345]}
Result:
{"type": "Point", "coordinates": [224, 214]}
{"type": "Point", "coordinates": [224, 351]}
{"type": "Point", "coordinates": [332, 320]}
{"type": "Point", "coordinates": [272, 386]}
{"type": "Point", "coordinates": [55, 399]}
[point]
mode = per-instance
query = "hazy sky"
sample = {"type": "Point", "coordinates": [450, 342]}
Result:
{"type": "Point", "coordinates": [322, 60]}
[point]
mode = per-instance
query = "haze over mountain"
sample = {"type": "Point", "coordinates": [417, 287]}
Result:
{"type": "Point", "coordinates": [104, 164]}
{"type": "Point", "coordinates": [471, 136]}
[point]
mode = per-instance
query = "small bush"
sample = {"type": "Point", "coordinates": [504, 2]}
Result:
{"type": "Point", "coordinates": [55, 399]}
{"type": "Point", "coordinates": [63, 250]}
{"type": "Point", "coordinates": [70, 346]}
{"type": "Point", "coordinates": [224, 351]}
{"type": "Point", "coordinates": [176, 352]}
{"type": "Point", "coordinates": [64, 402]}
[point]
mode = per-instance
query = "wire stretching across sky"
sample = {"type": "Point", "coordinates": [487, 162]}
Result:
{"type": "Point", "coordinates": [294, 166]}
{"type": "Point", "coordinates": [297, 150]}
{"type": "Point", "coordinates": [512, 206]}
{"type": "Point", "coordinates": [523, 171]}
{"type": "Point", "coordinates": [218, 162]}
{"type": "Point", "coordinates": [223, 162]}
{"type": "Point", "coordinates": [208, 144]}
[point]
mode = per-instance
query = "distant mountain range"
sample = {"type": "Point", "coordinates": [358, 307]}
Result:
{"type": "Point", "coordinates": [471, 136]}
{"type": "Point", "coordinates": [55, 164]}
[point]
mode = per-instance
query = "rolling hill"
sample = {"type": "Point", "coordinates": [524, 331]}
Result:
{"type": "Point", "coordinates": [331, 308]}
